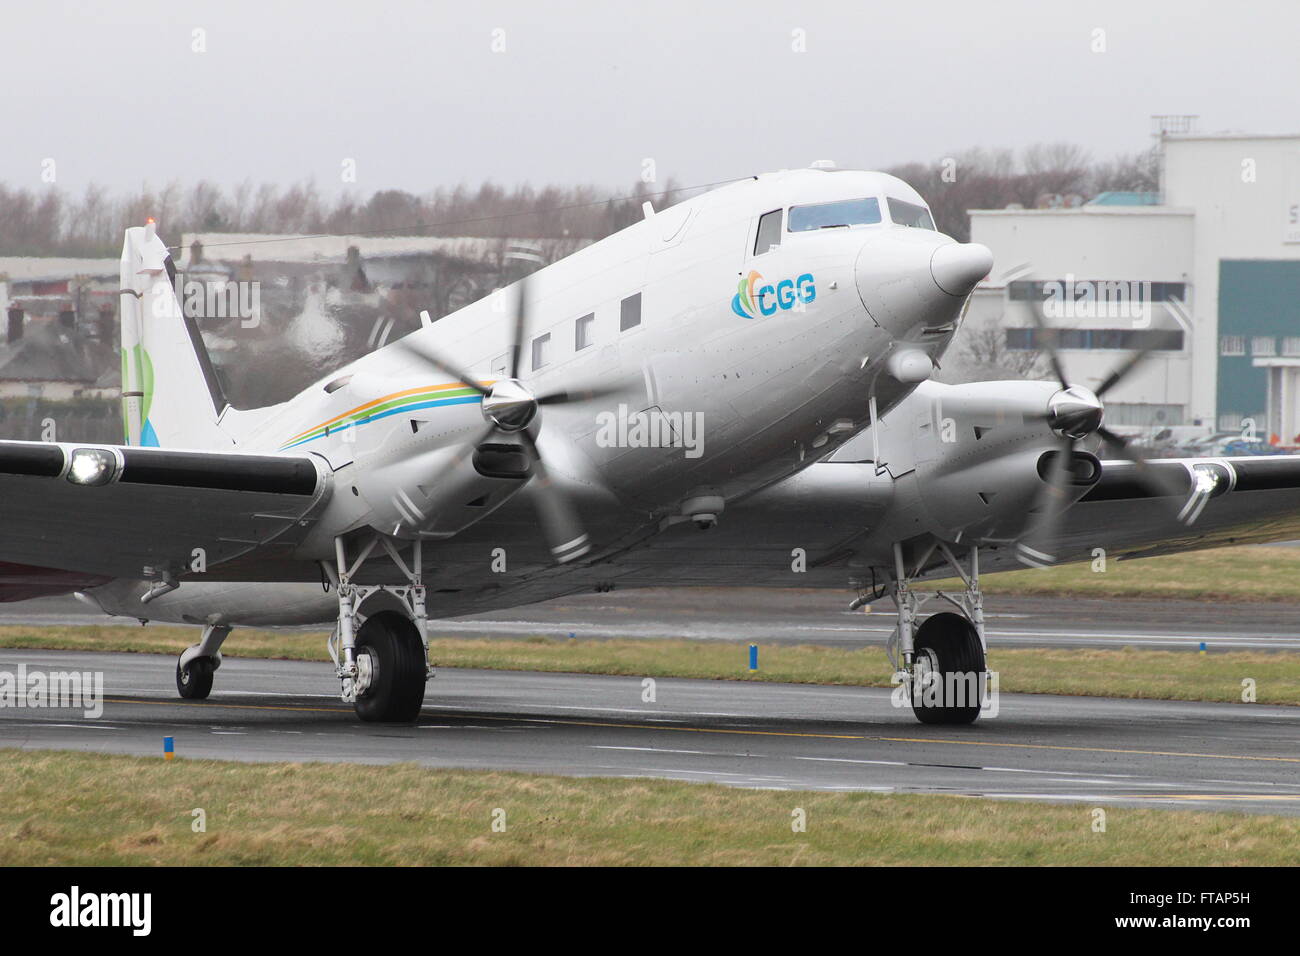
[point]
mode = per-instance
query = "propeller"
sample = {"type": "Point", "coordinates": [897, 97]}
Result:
{"type": "Point", "coordinates": [510, 407]}
{"type": "Point", "coordinates": [1076, 413]}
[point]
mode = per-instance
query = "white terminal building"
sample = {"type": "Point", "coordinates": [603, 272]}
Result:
{"type": "Point", "coordinates": [1213, 259]}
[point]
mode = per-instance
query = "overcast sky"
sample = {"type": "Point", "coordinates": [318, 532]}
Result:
{"type": "Point", "coordinates": [584, 92]}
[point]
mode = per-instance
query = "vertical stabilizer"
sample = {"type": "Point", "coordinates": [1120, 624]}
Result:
{"type": "Point", "coordinates": [171, 395]}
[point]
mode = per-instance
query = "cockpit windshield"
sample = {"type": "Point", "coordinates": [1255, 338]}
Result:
{"type": "Point", "coordinates": [830, 215]}
{"type": "Point", "coordinates": [910, 214]}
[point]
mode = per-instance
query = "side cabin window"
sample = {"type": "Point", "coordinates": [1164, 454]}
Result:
{"type": "Point", "coordinates": [769, 232]}
{"type": "Point", "coordinates": [629, 312]}
{"type": "Point", "coordinates": [835, 215]}
{"type": "Point", "coordinates": [584, 332]}
{"type": "Point", "coordinates": [539, 350]}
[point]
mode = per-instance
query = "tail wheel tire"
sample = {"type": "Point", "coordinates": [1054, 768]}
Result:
{"type": "Point", "coordinates": [194, 680]}
{"type": "Point", "coordinates": [391, 665]}
{"type": "Point", "coordinates": [948, 672]}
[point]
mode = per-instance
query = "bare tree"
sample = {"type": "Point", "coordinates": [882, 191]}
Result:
{"type": "Point", "coordinates": [44, 221]}
{"type": "Point", "coordinates": [982, 355]}
{"type": "Point", "coordinates": [1136, 172]}
{"type": "Point", "coordinates": [1055, 169]}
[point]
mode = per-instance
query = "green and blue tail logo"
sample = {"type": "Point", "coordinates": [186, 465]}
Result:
{"type": "Point", "coordinates": [147, 434]}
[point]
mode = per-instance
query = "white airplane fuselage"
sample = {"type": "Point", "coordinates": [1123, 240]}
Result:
{"type": "Point", "coordinates": [755, 355]}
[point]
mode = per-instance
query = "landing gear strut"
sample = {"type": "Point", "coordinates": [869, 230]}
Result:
{"type": "Point", "coordinates": [382, 664]}
{"type": "Point", "coordinates": [197, 663]}
{"type": "Point", "coordinates": [941, 661]}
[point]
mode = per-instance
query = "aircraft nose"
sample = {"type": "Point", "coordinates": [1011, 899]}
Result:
{"type": "Point", "coordinates": [957, 267]}
{"type": "Point", "coordinates": [913, 279]}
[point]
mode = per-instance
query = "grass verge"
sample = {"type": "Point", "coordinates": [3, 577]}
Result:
{"type": "Point", "coordinates": [1127, 672]}
{"type": "Point", "coordinates": [288, 814]}
{"type": "Point", "coordinates": [1223, 574]}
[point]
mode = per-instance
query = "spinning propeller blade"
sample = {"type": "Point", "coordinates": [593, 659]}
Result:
{"type": "Point", "coordinates": [1161, 483]}
{"type": "Point", "coordinates": [1075, 413]}
{"type": "Point", "coordinates": [1037, 546]}
{"type": "Point", "coordinates": [510, 407]}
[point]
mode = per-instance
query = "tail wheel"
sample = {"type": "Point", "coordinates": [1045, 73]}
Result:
{"type": "Point", "coordinates": [391, 669]}
{"type": "Point", "coordinates": [194, 680]}
{"type": "Point", "coordinates": [948, 671]}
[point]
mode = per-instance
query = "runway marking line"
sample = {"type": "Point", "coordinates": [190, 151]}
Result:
{"type": "Point", "coordinates": [1092, 750]}
{"type": "Point", "coordinates": [204, 703]}
{"type": "Point", "coordinates": [1213, 796]}
{"type": "Point", "coordinates": [759, 733]}
{"type": "Point", "coordinates": [1120, 797]}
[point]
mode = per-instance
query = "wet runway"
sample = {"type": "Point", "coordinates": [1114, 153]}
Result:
{"type": "Point", "coordinates": [821, 617]}
{"type": "Point", "coordinates": [1093, 751]}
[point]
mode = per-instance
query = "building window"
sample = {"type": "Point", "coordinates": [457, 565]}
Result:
{"type": "Point", "coordinates": [1020, 339]}
{"type": "Point", "coordinates": [539, 350]}
{"type": "Point", "coordinates": [1232, 345]}
{"type": "Point", "coordinates": [769, 232]}
{"type": "Point", "coordinates": [1143, 415]}
{"type": "Point", "coordinates": [1263, 345]}
{"type": "Point", "coordinates": [1159, 340]}
{"type": "Point", "coordinates": [1097, 290]}
{"type": "Point", "coordinates": [1291, 346]}
{"type": "Point", "coordinates": [629, 313]}
{"type": "Point", "coordinates": [584, 331]}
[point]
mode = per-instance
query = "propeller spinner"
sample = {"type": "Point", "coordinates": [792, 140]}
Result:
{"type": "Point", "coordinates": [510, 407]}
{"type": "Point", "coordinates": [1076, 413]}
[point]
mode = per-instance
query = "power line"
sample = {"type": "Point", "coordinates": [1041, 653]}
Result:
{"type": "Point", "coordinates": [406, 230]}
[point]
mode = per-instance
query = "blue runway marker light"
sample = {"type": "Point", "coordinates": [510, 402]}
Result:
{"type": "Point", "coordinates": [169, 748]}
{"type": "Point", "coordinates": [1202, 647]}
{"type": "Point", "coordinates": [753, 657]}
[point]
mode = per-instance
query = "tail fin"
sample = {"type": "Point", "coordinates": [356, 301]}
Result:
{"type": "Point", "coordinates": [170, 391]}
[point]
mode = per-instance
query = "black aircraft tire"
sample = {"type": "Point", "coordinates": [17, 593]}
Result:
{"type": "Point", "coordinates": [948, 644]}
{"type": "Point", "coordinates": [194, 681]}
{"type": "Point", "coordinates": [396, 692]}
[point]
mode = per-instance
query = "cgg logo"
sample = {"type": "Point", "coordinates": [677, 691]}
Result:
{"type": "Point", "coordinates": [769, 298]}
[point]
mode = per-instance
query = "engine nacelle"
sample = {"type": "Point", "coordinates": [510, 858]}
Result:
{"type": "Point", "coordinates": [441, 491]}
{"type": "Point", "coordinates": [974, 459]}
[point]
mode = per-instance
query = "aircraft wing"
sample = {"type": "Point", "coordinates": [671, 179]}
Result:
{"type": "Point", "coordinates": [76, 515]}
{"type": "Point", "coordinates": [1249, 500]}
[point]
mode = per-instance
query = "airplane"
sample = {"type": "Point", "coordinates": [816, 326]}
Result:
{"type": "Point", "coordinates": [734, 391]}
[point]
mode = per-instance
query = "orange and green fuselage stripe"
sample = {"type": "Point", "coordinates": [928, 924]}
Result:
{"type": "Point", "coordinates": [410, 400]}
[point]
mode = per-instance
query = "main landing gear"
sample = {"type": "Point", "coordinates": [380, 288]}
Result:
{"type": "Point", "coordinates": [197, 663]}
{"type": "Point", "coordinates": [383, 662]}
{"type": "Point", "coordinates": [941, 662]}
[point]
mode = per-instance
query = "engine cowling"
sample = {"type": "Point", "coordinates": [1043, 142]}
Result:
{"type": "Point", "coordinates": [974, 459]}
{"type": "Point", "coordinates": [443, 490]}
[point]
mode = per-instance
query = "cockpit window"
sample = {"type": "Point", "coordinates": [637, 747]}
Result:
{"type": "Point", "coordinates": [769, 232]}
{"type": "Point", "coordinates": [830, 215]}
{"type": "Point", "coordinates": [910, 214]}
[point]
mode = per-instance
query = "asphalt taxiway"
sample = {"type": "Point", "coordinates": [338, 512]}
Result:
{"type": "Point", "coordinates": [1093, 751]}
{"type": "Point", "coordinates": [768, 616]}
